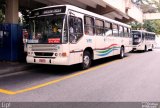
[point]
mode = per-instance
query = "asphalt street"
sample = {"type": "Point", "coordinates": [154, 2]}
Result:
{"type": "Point", "coordinates": [136, 78]}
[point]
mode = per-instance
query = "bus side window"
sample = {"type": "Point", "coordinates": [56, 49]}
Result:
{"type": "Point", "coordinates": [115, 30]}
{"type": "Point", "coordinates": [149, 36]}
{"type": "Point", "coordinates": [75, 29]}
{"type": "Point", "coordinates": [126, 32]}
{"type": "Point", "coordinates": [89, 25]}
{"type": "Point", "coordinates": [129, 32]}
{"type": "Point", "coordinates": [99, 26]}
{"type": "Point", "coordinates": [121, 31]}
{"type": "Point", "coordinates": [153, 37]}
{"type": "Point", "coordinates": [144, 36]}
{"type": "Point", "coordinates": [108, 29]}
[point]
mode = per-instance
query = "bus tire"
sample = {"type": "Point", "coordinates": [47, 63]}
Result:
{"type": "Point", "coordinates": [145, 48]}
{"type": "Point", "coordinates": [152, 48]}
{"type": "Point", "coordinates": [86, 63]}
{"type": "Point", "coordinates": [122, 53]}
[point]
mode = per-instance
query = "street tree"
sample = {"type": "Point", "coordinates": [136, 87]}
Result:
{"type": "Point", "coordinates": [2, 10]}
{"type": "Point", "coordinates": [149, 25]}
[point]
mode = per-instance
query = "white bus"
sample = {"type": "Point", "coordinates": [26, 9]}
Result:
{"type": "Point", "coordinates": [67, 35]}
{"type": "Point", "coordinates": [143, 40]}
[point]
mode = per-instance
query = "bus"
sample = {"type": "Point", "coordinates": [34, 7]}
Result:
{"type": "Point", "coordinates": [68, 35]}
{"type": "Point", "coordinates": [143, 40]}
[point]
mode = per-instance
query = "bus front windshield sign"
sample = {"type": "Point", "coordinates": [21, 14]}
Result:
{"type": "Point", "coordinates": [47, 29]}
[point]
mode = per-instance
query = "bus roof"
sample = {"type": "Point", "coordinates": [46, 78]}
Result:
{"type": "Point", "coordinates": [144, 31]}
{"type": "Point", "coordinates": [71, 7]}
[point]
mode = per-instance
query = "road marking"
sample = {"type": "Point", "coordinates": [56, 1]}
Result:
{"type": "Point", "coordinates": [8, 92]}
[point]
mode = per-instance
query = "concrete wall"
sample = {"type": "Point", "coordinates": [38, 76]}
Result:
{"type": "Point", "coordinates": [116, 4]}
{"type": "Point", "coordinates": [11, 14]}
{"type": "Point", "coordinates": [127, 8]}
{"type": "Point", "coordinates": [122, 8]}
{"type": "Point", "coordinates": [151, 16]}
{"type": "Point", "coordinates": [135, 13]}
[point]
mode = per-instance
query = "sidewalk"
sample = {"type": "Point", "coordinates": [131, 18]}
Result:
{"type": "Point", "coordinates": [11, 67]}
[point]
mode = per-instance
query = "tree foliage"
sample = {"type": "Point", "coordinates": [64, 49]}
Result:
{"type": "Point", "coordinates": [136, 25]}
{"type": "Point", "coordinates": [2, 10]}
{"type": "Point", "coordinates": [149, 25]}
{"type": "Point", "coordinates": [1, 16]}
{"type": "Point", "coordinates": [157, 4]}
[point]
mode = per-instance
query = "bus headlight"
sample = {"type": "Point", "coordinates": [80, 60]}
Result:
{"type": "Point", "coordinates": [64, 54]}
{"type": "Point", "coordinates": [29, 46]}
{"type": "Point", "coordinates": [30, 53]}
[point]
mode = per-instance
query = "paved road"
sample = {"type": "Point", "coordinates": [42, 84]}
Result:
{"type": "Point", "coordinates": [135, 78]}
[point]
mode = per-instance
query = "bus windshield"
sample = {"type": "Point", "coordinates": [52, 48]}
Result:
{"type": "Point", "coordinates": [136, 34]}
{"type": "Point", "coordinates": [136, 37]}
{"type": "Point", "coordinates": [47, 29]}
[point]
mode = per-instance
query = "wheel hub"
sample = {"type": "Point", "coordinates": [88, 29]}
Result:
{"type": "Point", "coordinates": [86, 60]}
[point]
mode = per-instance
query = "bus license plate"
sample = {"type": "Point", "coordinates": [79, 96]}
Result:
{"type": "Point", "coordinates": [42, 60]}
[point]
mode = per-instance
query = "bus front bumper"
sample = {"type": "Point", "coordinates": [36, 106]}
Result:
{"type": "Point", "coordinates": [49, 61]}
{"type": "Point", "coordinates": [138, 47]}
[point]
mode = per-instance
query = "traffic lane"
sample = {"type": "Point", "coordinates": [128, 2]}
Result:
{"type": "Point", "coordinates": [127, 80]}
{"type": "Point", "coordinates": [24, 79]}
{"type": "Point", "coordinates": [43, 74]}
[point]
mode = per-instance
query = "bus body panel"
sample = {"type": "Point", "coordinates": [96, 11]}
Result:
{"type": "Point", "coordinates": [103, 47]}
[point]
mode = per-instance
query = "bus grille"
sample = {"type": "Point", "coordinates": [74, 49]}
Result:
{"type": "Point", "coordinates": [44, 48]}
{"type": "Point", "coordinates": [43, 54]}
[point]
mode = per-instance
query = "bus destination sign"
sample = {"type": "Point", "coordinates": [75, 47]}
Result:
{"type": "Point", "coordinates": [47, 11]}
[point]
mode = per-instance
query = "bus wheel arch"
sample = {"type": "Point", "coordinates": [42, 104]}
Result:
{"type": "Point", "coordinates": [87, 58]}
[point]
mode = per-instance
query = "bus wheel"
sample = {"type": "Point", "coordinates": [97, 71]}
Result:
{"type": "Point", "coordinates": [145, 48]}
{"type": "Point", "coordinates": [152, 48]}
{"type": "Point", "coordinates": [86, 60]}
{"type": "Point", "coordinates": [122, 53]}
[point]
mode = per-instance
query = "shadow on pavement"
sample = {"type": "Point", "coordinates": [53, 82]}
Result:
{"type": "Point", "coordinates": [44, 73]}
{"type": "Point", "coordinates": [65, 70]}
